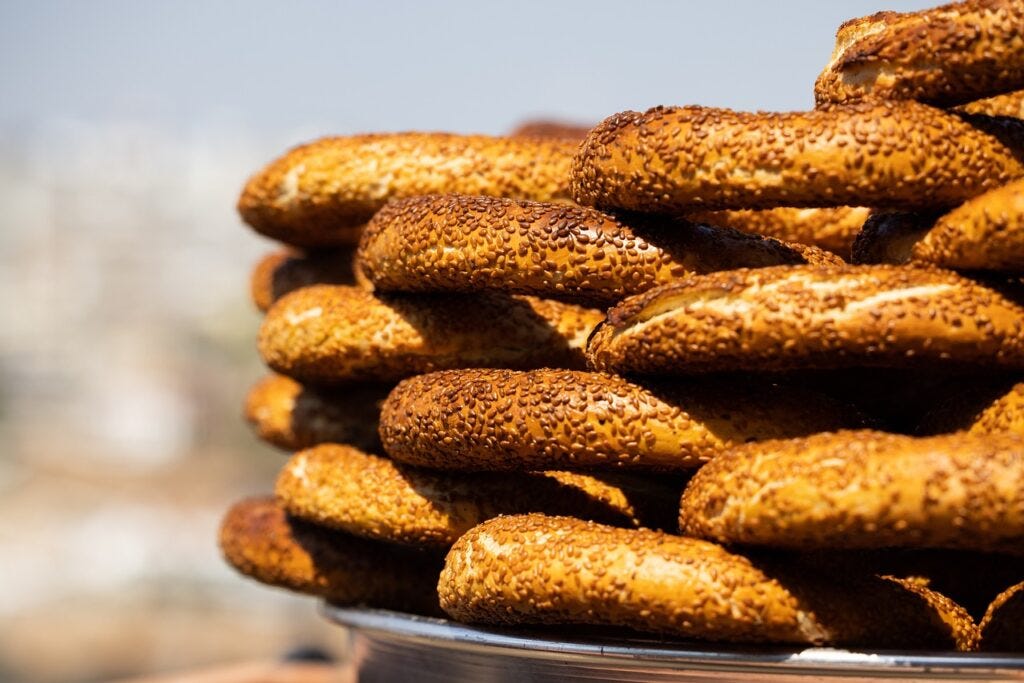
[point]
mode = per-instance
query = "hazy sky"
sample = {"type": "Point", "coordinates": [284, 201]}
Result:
{"type": "Point", "coordinates": [461, 65]}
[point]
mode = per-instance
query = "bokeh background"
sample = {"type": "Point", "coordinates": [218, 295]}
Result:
{"type": "Point", "coordinates": [126, 342]}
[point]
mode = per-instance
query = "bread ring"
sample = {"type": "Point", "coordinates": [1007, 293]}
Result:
{"type": "Point", "coordinates": [320, 194]}
{"type": "Point", "coordinates": [1002, 627]}
{"type": "Point", "coordinates": [984, 233]}
{"type": "Point", "coordinates": [549, 419]}
{"type": "Point", "coordinates": [284, 271]}
{"type": "Point", "coordinates": [260, 541]}
{"type": "Point", "coordinates": [888, 154]}
{"type": "Point", "coordinates": [810, 317]}
{"type": "Point", "coordinates": [833, 229]}
{"type": "Point", "coordinates": [292, 416]}
{"type": "Point", "coordinates": [944, 55]}
{"type": "Point", "coordinates": [863, 490]}
{"type": "Point", "coordinates": [559, 570]}
{"type": "Point", "coordinates": [545, 128]}
{"type": "Point", "coordinates": [374, 497]}
{"type": "Point", "coordinates": [464, 244]}
{"type": "Point", "coordinates": [337, 334]}
{"type": "Point", "coordinates": [1007, 104]}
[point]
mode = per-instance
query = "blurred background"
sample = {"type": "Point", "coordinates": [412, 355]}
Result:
{"type": "Point", "coordinates": [126, 131]}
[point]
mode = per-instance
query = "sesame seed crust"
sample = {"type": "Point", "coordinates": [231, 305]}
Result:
{"type": "Point", "coordinates": [259, 540]}
{"type": "Point", "coordinates": [284, 271]}
{"type": "Point", "coordinates": [800, 317]}
{"type": "Point", "coordinates": [1002, 627]}
{"type": "Point", "coordinates": [373, 497]}
{"type": "Point", "coordinates": [292, 416]}
{"type": "Point", "coordinates": [321, 193]}
{"type": "Point", "coordinates": [886, 154]}
{"type": "Point", "coordinates": [833, 229]}
{"type": "Point", "coordinates": [467, 243]}
{"type": "Point", "coordinates": [558, 570]}
{"type": "Point", "coordinates": [944, 55]}
{"type": "Point", "coordinates": [328, 333]}
{"type": "Point", "coordinates": [1007, 104]}
{"type": "Point", "coordinates": [1005, 414]}
{"type": "Point", "coordinates": [863, 489]}
{"type": "Point", "coordinates": [545, 419]}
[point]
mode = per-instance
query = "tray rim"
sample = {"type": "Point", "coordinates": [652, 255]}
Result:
{"type": "Point", "coordinates": [655, 653]}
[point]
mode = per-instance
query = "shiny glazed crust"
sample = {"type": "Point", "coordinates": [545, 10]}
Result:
{"type": "Point", "coordinates": [374, 497]}
{"type": "Point", "coordinates": [801, 317]}
{"type": "Point", "coordinates": [1002, 628]}
{"type": "Point", "coordinates": [463, 244]}
{"type": "Point", "coordinates": [833, 229]}
{"type": "Point", "coordinates": [334, 333]}
{"type": "Point", "coordinates": [557, 570]}
{"type": "Point", "coordinates": [887, 154]}
{"type": "Point", "coordinates": [944, 55]}
{"type": "Point", "coordinates": [544, 419]}
{"type": "Point", "coordinates": [291, 416]}
{"type": "Point", "coordinates": [1007, 104]}
{"type": "Point", "coordinates": [863, 490]}
{"type": "Point", "coordinates": [284, 271]}
{"type": "Point", "coordinates": [259, 540]}
{"type": "Point", "coordinates": [319, 194]}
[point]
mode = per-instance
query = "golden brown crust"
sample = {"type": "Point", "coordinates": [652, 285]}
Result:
{"type": "Point", "coordinates": [889, 154]}
{"type": "Point", "coordinates": [810, 317]}
{"type": "Point", "coordinates": [335, 334]}
{"type": "Point", "coordinates": [544, 419]}
{"type": "Point", "coordinates": [320, 193]}
{"type": "Point", "coordinates": [557, 570]}
{"type": "Point", "coordinates": [889, 236]}
{"type": "Point", "coordinates": [550, 128]}
{"type": "Point", "coordinates": [292, 416]}
{"type": "Point", "coordinates": [833, 229]}
{"type": "Point", "coordinates": [1006, 414]}
{"type": "Point", "coordinates": [374, 497]}
{"type": "Point", "coordinates": [259, 540]}
{"type": "Point", "coordinates": [464, 243]}
{"type": "Point", "coordinates": [944, 55]}
{"type": "Point", "coordinates": [1007, 104]}
{"type": "Point", "coordinates": [285, 270]}
{"type": "Point", "coordinates": [1002, 627]}
{"type": "Point", "coordinates": [863, 490]}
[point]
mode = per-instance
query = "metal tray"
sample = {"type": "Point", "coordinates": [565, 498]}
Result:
{"type": "Point", "coordinates": [391, 646]}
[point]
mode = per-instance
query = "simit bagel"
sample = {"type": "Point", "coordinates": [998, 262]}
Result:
{"type": "Point", "coordinates": [464, 244]}
{"type": "Point", "coordinates": [285, 271]}
{"type": "Point", "coordinates": [549, 128]}
{"type": "Point", "coordinates": [833, 229]}
{"type": "Point", "coordinates": [336, 334]}
{"type": "Point", "coordinates": [1002, 627]}
{"type": "Point", "coordinates": [292, 416]}
{"type": "Point", "coordinates": [374, 497]}
{"type": "Point", "coordinates": [944, 55]}
{"type": "Point", "coordinates": [863, 490]}
{"type": "Point", "coordinates": [810, 317]}
{"type": "Point", "coordinates": [549, 419]}
{"type": "Point", "coordinates": [259, 540]}
{"type": "Point", "coordinates": [557, 570]}
{"type": "Point", "coordinates": [889, 154]}
{"type": "Point", "coordinates": [1007, 104]}
{"type": "Point", "coordinates": [984, 407]}
{"type": "Point", "coordinates": [319, 194]}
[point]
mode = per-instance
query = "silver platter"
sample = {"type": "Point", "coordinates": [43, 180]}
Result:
{"type": "Point", "coordinates": [391, 646]}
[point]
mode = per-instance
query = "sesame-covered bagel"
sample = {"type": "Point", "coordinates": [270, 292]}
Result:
{"type": "Point", "coordinates": [1002, 627]}
{"type": "Point", "coordinates": [833, 229]}
{"type": "Point", "coordinates": [320, 193]}
{"type": "Point", "coordinates": [544, 419]}
{"type": "Point", "coordinates": [259, 540]}
{"type": "Point", "coordinates": [889, 154]}
{"type": "Point", "coordinates": [550, 128]}
{"type": "Point", "coordinates": [1007, 104]}
{"type": "Point", "coordinates": [810, 317]}
{"type": "Point", "coordinates": [944, 55]}
{"type": "Point", "coordinates": [463, 243]}
{"type": "Point", "coordinates": [292, 416]}
{"type": "Point", "coordinates": [983, 233]}
{"type": "Point", "coordinates": [285, 270]}
{"type": "Point", "coordinates": [863, 489]}
{"type": "Point", "coordinates": [336, 334]}
{"type": "Point", "coordinates": [370, 496]}
{"type": "Point", "coordinates": [533, 569]}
